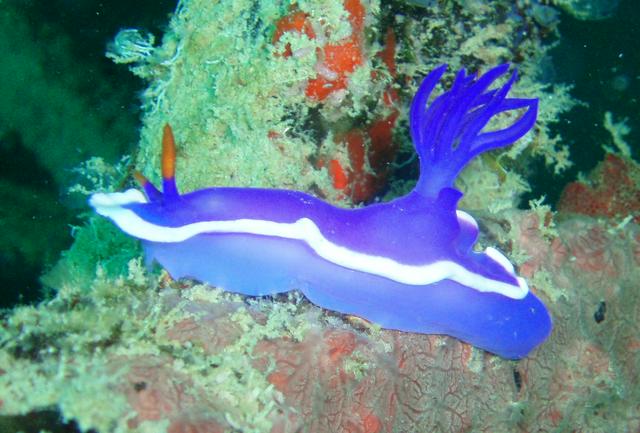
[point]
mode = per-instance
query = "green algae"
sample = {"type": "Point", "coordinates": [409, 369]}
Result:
{"type": "Point", "coordinates": [90, 341]}
{"type": "Point", "coordinates": [98, 246]}
{"type": "Point", "coordinates": [217, 81]}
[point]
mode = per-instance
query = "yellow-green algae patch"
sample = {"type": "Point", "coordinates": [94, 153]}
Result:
{"type": "Point", "coordinates": [80, 353]}
{"type": "Point", "coordinates": [223, 86]}
{"type": "Point", "coordinates": [241, 117]}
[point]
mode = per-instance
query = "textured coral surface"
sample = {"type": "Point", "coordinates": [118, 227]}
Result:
{"type": "Point", "coordinates": [189, 358]}
{"type": "Point", "coordinates": [141, 353]}
{"type": "Point", "coordinates": [612, 190]}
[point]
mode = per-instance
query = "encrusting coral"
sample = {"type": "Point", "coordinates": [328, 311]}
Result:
{"type": "Point", "coordinates": [288, 108]}
{"type": "Point", "coordinates": [120, 349]}
{"type": "Point", "coordinates": [142, 353]}
{"type": "Point", "coordinates": [611, 191]}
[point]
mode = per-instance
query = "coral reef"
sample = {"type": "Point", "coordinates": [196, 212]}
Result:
{"type": "Point", "coordinates": [310, 93]}
{"type": "Point", "coordinates": [611, 191]}
{"type": "Point", "coordinates": [168, 356]}
{"type": "Point", "coordinates": [120, 349]}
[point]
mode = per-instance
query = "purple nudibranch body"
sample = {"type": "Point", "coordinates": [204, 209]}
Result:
{"type": "Point", "coordinates": [408, 264]}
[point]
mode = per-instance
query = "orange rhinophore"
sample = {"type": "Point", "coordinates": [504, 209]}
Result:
{"type": "Point", "coordinates": [140, 178]}
{"type": "Point", "coordinates": [168, 153]}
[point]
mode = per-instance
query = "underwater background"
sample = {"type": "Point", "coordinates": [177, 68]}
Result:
{"type": "Point", "coordinates": [93, 341]}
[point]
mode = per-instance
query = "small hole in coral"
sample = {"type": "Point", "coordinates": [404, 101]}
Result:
{"type": "Point", "coordinates": [517, 379]}
{"type": "Point", "coordinates": [140, 386]}
{"type": "Point", "coordinates": [598, 316]}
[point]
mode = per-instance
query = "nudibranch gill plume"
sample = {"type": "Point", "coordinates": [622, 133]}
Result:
{"type": "Point", "coordinates": [408, 264]}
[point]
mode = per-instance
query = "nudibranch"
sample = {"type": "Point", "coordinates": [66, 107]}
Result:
{"type": "Point", "coordinates": [407, 265]}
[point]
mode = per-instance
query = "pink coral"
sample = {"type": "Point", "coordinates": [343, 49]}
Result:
{"type": "Point", "coordinates": [340, 379]}
{"type": "Point", "coordinates": [613, 191]}
{"type": "Point", "coordinates": [212, 362]}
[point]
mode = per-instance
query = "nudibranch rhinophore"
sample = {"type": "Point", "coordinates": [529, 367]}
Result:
{"type": "Point", "coordinates": [407, 265]}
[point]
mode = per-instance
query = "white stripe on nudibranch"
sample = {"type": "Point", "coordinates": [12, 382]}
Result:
{"type": "Point", "coordinates": [110, 205]}
{"type": "Point", "coordinates": [497, 256]}
{"type": "Point", "coordinates": [116, 199]}
{"type": "Point", "coordinates": [463, 216]}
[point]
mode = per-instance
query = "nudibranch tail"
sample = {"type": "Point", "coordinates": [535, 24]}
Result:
{"type": "Point", "coordinates": [169, 188]}
{"type": "Point", "coordinates": [448, 133]}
